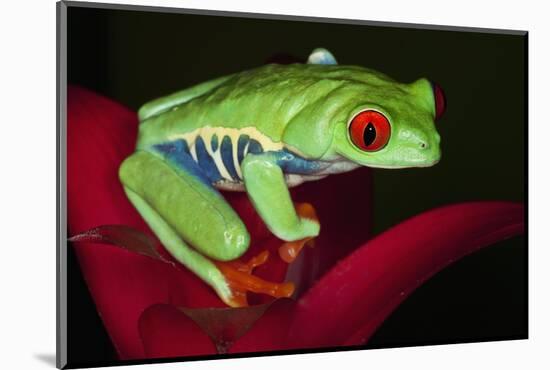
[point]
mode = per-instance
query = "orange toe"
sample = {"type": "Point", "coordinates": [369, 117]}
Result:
{"type": "Point", "coordinates": [240, 279]}
{"type": "Point", "coordinates": [239, 274]}
{"type": "Point", "coordinates": [288, 251]}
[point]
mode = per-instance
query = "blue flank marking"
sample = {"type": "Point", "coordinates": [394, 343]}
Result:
{"type": "Point", "coordinates": [243, 140]}
{"type": "Point", "coordinates": [178, 152]}
{"type": "Point", "coordinates": [226, 149]}
{"type": "Point", "coordinates": [214, 142]}
{"type": "Point", "coordinates": [206, 163]}
{"type": "Point", "coordinates": [255, 147]}
{"type": "Point", "coordinates": [205, 168]}
{"type": "Point", "coordinates": [293, 163]}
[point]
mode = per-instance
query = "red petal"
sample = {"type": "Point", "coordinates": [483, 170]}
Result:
{"type": "Point", "coordinates": [100, 135]}
{"type": "Point", "coordinates": [270, 332]}
{"type": "Point", "coordinates": [168, 331]}
{"type": "Point", "coordinates": [122, 236]}
{"type": "Point", "coordinates": [354, 298]}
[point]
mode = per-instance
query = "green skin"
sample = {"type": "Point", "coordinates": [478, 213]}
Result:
{"type": "Point", "coordinates": [305, 108]}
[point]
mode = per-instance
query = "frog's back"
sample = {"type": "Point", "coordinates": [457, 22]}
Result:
{"type": "Point", "coordinates": [264, 99]}
{"type": "Point", "coordinates": [210, 128]}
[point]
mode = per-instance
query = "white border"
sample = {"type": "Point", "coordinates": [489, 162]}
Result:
{"type": "Point", "coordinates": [28, 182]}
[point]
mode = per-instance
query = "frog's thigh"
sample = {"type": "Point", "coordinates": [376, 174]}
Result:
{"type": "Point", "coordinates": [192, 208]}
{"type": "Point", "coordinates": [194, 261]}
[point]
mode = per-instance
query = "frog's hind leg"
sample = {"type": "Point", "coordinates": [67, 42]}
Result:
{"type": "Point", "coordinates": [188, 203]}
{"type": "Point", "coordinates": [188, 216]}
{"type": "Point", "coordinates": [178, 206]}
{"type": "Point", "coordinates": [194, 261]}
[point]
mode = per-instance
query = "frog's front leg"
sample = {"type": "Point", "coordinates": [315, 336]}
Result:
{"type": "Point", "coordinates": [265, 184]}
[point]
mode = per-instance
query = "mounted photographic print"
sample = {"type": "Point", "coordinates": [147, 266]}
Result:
{"type": "Point", "coordinates": [239, 184]}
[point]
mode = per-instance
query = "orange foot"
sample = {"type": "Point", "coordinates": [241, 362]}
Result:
{"type": "Point", "coordinates": [290, 250]}
{"type": "Point", "coordinates": [240, 278]}
{"type": "Point", "coordinates": [239, 274]}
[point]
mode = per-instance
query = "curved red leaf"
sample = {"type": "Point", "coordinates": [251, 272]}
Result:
{"type": "Point", "coordinates": [122, 236]}
{"type": "Point", "coordinates": [270, 332]}
{"type": "Point", "coordinates": [169, 331]}
{"type": "Point", "coordinates": [100, 134]}
{"type": "Point", "coordinates": [353, 298]}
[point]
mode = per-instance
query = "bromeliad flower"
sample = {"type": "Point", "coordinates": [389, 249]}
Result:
{"type": "Point", "coordinates": [345, 285]}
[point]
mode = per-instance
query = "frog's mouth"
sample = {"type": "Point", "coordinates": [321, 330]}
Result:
{"type": "Point", "coordinates": [415, 152]}
{"type": "Point", "coordinates": [422, 164]}
{"type": "Point", "coordinates": [409, 156]}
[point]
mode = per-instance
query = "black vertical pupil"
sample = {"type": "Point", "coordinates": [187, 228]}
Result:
{"type": "Point", "coordinates": [369, 134]}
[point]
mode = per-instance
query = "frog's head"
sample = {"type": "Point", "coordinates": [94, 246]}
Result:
{"type": "Point", "coordinates": [392, 128]}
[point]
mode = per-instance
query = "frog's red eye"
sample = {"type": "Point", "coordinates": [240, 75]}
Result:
{"type": "Point", "coordinates": [370, 130]}
{"type": "Point", "coordinates": [440, 100]}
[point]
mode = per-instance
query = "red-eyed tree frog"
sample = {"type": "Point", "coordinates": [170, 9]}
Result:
{"type": "Point", "coordinates": [262, 131]}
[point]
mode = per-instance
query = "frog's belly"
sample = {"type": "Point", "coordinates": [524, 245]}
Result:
{"type": "Point", "coordinates": [294, 179]}
{"type": "Point", "coordinates": [291, 180]}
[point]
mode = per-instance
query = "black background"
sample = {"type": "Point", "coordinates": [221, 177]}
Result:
{"type": "Point", "coordinates": [134, 56]}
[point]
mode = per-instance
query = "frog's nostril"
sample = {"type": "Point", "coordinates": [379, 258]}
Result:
{"type": "Point", "coordinates": [423, 145]}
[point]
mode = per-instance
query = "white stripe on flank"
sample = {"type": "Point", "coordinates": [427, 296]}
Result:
{"type": "Point", "coordinates": [216, 156]}
{"type": "Point", "coordinates": [206, 134]}
{"type": "Point", "coordinates": [235, 147]}
{"type": "Point", "coordinates": [193, 151]}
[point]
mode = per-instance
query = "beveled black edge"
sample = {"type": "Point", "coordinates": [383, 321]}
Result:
{"type": "Point", "coordinates": [61, 186]}
{"type": "Point", "coordinates": [526, 174]}
{"type": "Point", "coordinates": [225, 13]}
